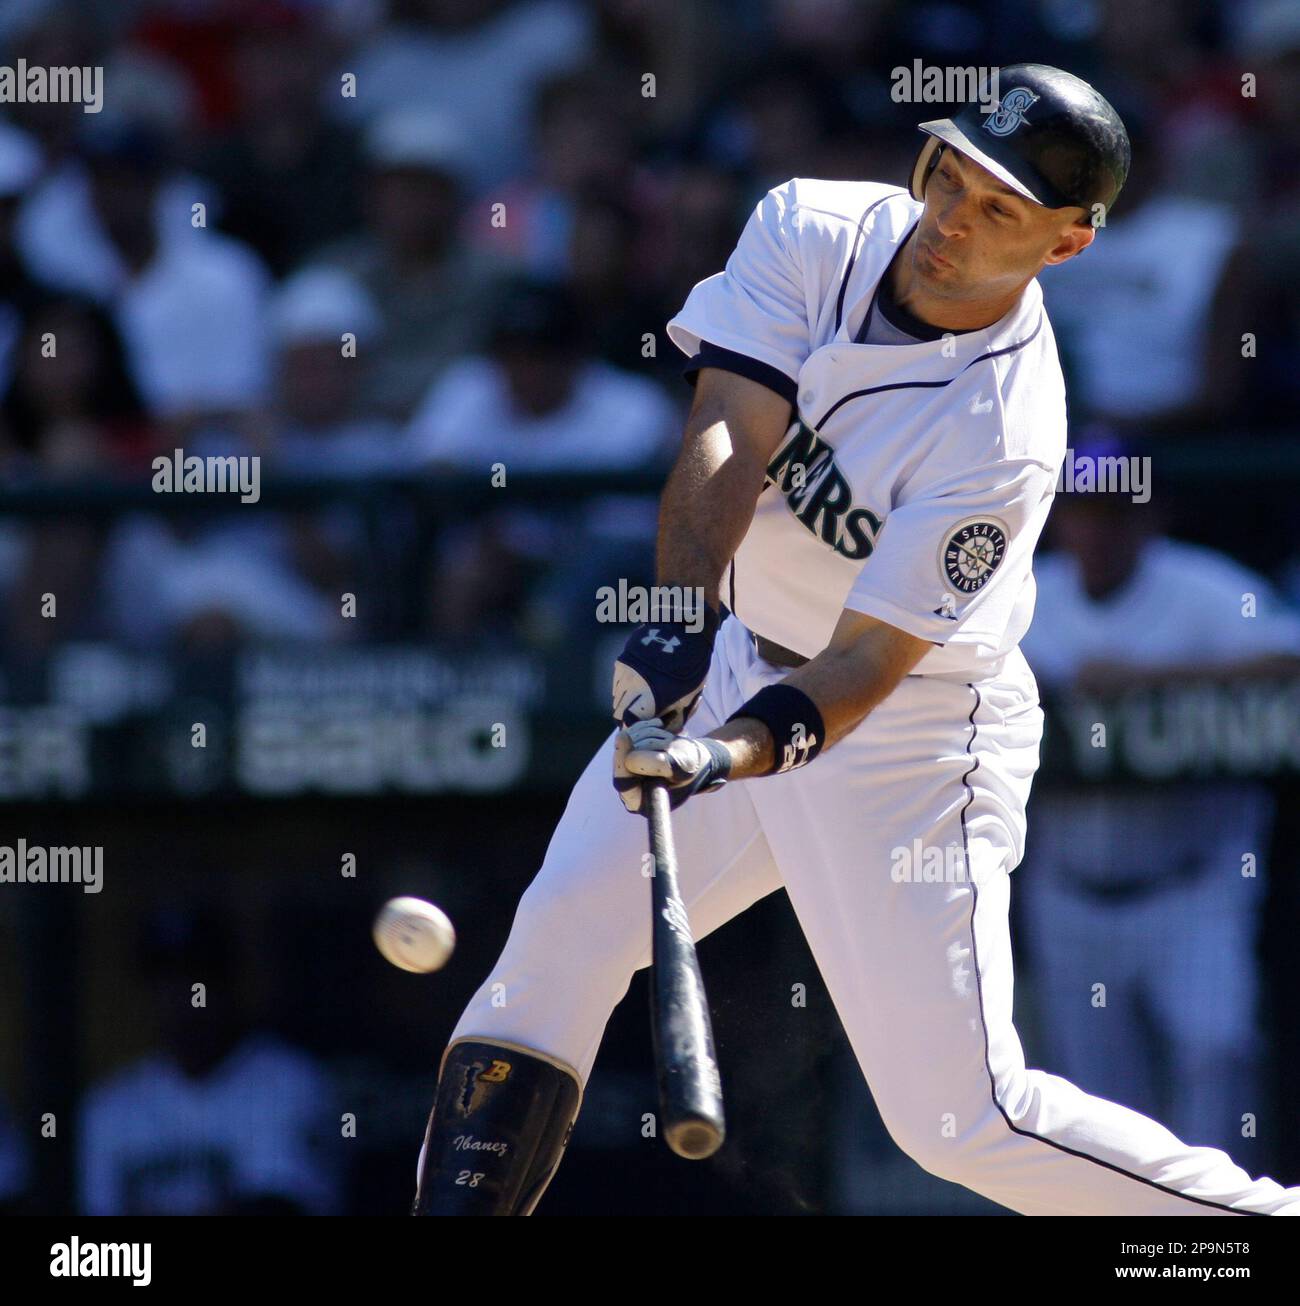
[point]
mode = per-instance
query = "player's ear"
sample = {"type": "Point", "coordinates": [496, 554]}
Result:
{"type": "Point", "coordinates": [1071, 241]}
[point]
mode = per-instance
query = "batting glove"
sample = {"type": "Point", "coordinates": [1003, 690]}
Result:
{"type": "Point", "coordinates": [646, 750]}
{"type": "Point", "coordinates": [661, 671]}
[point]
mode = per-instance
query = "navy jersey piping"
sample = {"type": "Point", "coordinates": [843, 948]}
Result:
{"type": "Point", "coordinates": [928, 385]}
{"type": "Point", "coordinates": [853, 258]}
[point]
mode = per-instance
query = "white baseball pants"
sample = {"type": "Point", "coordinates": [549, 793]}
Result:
{"type": "Point", "coordinates": [896, 848]}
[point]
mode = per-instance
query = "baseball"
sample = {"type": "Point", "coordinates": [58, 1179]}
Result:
{"type": "Point", "coordinates": [414, 935]}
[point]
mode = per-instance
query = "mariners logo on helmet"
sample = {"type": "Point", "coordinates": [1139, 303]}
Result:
{"type": "Point", "coordinates": [1053, 139]}
{"type": "Point", "coordinates": [1010, 112]}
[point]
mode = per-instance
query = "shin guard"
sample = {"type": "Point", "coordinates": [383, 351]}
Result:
{"type": "Point", "coordinates": [500, 1122]}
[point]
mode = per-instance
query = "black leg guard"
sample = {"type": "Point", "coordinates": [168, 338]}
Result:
{"type": "Point", "coordinates": [500, 1122]}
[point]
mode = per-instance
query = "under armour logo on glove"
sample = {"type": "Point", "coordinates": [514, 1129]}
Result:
{"type": "Point", "coordinates": [662, 669]}
{"type": "Point", "coordinates": [654, 637]}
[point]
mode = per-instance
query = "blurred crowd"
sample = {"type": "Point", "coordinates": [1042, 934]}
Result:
{"type": "Point", "coordinates": [423, 238]}
{"type": "Point", "coordinates": [403, 241]}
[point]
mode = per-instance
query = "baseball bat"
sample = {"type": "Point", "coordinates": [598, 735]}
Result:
{"type": "Point", "coordinates": [690, 1087]}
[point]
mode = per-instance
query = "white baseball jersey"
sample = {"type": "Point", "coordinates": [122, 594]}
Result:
{"type": "Point", "coordinates": [915, 480]}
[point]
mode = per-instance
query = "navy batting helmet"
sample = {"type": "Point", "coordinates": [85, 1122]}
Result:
{"type": "Point", "coordinates": [1052, 139]}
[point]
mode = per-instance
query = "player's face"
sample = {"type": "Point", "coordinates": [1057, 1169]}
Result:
{"type": "Point", "coordinates": [977, 237]}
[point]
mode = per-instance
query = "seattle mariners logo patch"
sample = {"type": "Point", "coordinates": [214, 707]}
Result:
{"type": "Point", "coordinates": [972, 552]}
{"type": "Point", "coordinates": [1010, 112]}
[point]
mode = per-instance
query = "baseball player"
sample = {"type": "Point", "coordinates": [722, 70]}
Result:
{"type": "Point", "coordinates": [878, 425]}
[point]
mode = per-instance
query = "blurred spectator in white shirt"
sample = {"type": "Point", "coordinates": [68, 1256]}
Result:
{"type": "Point", "coordinates": [434, 293]}
{"type": "Point", "coordinates": [1149, 318]}
{"type": "Point", "coordinates": [220, 1119]}
{"type": "Point", "coordinates": [188, 300]}
{"type": "Point", "coordinates": [201, 587]}
{"type": "Point", "coordinates": [249, 573]}
{"type": "Point", "coordinates": [539, 402]}
{"type": "Point", "coordinates": [201, 580]}
{"type": "Point", "coordinates": [476, 61]}
{"type": "Point", "coordinates": [328, 334]}
{"type": "Point", "coordinates": [320, 424]}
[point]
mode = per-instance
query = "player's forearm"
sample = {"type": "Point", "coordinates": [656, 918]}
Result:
{"type": "Point", "coordinates": [706, 507]}
{"type": "Point", "coordinates": [733, 429]}
{"type": "Point", "coordinates": [845, 681]}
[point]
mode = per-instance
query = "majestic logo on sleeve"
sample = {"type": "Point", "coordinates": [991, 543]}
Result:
{"type": "Point", "coordinates": [1010, 112]}
{"type": "Point", "coordinates": [971, 554]}
{"type": "Point", "coordinates": [820, 496]}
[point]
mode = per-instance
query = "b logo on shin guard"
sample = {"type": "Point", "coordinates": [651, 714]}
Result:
{"type": "Point", "coordinates": [497, 1073]}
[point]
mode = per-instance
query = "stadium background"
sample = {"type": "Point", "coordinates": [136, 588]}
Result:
{"type": "Point", "coordinates": [501, 215]}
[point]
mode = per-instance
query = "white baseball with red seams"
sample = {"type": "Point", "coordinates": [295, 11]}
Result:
{"type": "Point", "coordinates": [928, 467]}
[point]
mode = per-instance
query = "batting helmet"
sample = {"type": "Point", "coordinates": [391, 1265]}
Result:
{"type": "Point", "coordinates": [1052, 139]}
